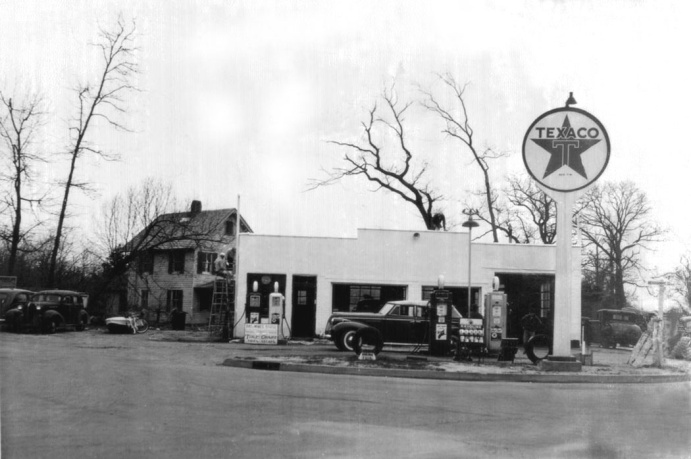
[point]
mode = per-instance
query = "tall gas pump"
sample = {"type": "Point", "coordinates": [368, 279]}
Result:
{"type": "Point", "coordinates": [495, 319]}
{"type": "Point", "coordinates": [254, 305]}
{"type": "Point", "coordinates": [440, 321]}
{"type": "Point", "coordinates": [276, 309]}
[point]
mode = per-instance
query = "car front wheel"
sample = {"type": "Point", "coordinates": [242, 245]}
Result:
{"type": "Point", "coordinates": [347, 339]}
{"type": "Point", "coordinates": [50, 327]}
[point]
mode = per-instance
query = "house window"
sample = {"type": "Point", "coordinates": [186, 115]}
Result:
{"type": "Point", "coordinates": [230, 227]}
{"type": "Point", "coordinates": [144, 299]}
{"type": "Point", "coordinates": [174, 300]}
{"type": "Point", "coordinates": [146, 263]}
{"type": "Point", "coordinates": [176, 261]}
{"type": "Point", "coordinates": [205, 262]}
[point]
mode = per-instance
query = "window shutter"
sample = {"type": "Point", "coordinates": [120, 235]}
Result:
{"type": "Point", "coordinates": [201, 259]}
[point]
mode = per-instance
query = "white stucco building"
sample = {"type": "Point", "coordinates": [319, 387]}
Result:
{"type": "Point", "coordinates": [318, 275]}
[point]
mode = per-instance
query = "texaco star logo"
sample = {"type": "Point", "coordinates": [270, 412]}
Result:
{"type": "Point", "coordinates": [566, 149]}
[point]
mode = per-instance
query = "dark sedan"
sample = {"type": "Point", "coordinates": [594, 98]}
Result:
{"type": "Point", "coordinates": [49, 310]}
{"type": "Point", "coordinates": [398, 322]}
{"type": "Point", "coordinates": [13, 298]}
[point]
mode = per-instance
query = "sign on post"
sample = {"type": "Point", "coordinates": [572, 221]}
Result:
{"type": "Point", "coordinates": [8, 281]}
{"type": "Point", "coordinates": [565, 150]}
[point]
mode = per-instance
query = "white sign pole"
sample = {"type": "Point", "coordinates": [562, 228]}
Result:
{"type": "Point", "coordinates": [563, 283]}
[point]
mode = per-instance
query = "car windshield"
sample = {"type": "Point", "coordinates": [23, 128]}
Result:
{"type": "Point", "coordinates": [47, 298]}
{"type": "Point", "coordinates": [386, 308]}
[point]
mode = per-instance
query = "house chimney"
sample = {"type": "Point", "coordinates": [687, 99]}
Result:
{"type": "Point", "coordinates": [196, 207]}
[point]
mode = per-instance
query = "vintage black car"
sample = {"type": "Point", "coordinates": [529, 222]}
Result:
{"type": "Point", "coordinates": [614, 326]}
{"type": "Point", "coordinates": [50, 310]}
{"type": "Point", "coordinates": [12, 298]}
{"type": "Point", "coordinates": [398, 322]}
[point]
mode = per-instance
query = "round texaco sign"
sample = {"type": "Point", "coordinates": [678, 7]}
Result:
{"type": "Point", "coordinates": [566, 149]}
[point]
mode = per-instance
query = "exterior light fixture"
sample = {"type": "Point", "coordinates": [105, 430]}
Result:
{"type": "Point", "coordinates": [570, 100]}
{"type": "Point", "coordinates": [470, 224]}
{"type": "Point", "coordinates": [416, 235]}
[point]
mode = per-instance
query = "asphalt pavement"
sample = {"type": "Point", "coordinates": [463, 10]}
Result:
{"type": "Point", "coordinates": [609, 366]}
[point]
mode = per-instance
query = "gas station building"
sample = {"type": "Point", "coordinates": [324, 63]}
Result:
{"type": "Point", "coordinates": [319, 275]}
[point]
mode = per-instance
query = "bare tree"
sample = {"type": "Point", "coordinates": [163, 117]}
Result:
{"type": "Point", "coordinates": [103, 100]}
{"type": "Point", "coordinates": [532, 211]}
{"type": "Point", "coordinates": [392, 171]}
{"type": "Point", "coordinates": [616, 221]}
{"type": "Point", "coordinates": [524, 214]}
{"type": "Point", "coordinates": [458, 126]}
{"type": "Point", "coordinates": [680, 282]}
{"type": "Point", "coordinates": [19, 124]}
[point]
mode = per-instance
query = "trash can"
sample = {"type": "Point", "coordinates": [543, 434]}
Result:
{"type": "Point", "coordinates": [177, 320]}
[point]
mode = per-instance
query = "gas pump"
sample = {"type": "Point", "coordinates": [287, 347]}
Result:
{"type": "Point", "coordinates": [253, 305]}
{"type": "Point", "coordinates": [495, 320]}
{"type": "Point", "coordinates": [440, 321]}
{"type": "Point", "coordinates": [276, 308]}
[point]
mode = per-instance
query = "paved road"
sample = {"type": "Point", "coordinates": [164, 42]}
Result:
{"type": "Point", "coordinates": [96, 395]}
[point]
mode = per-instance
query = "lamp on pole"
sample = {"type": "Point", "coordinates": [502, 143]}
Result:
{"type": "Point", "coordinates": [470, 224]}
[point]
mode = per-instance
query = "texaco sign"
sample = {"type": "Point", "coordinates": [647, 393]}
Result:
{"type": "Point", "coordinates": [566, 149]}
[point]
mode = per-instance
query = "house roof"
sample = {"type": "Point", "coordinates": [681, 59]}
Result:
{"type": "Point", "coordinates": [186, 230]}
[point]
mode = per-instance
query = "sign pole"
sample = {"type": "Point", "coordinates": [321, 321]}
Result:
{"type": "Point", "coordinates": [563, 283]}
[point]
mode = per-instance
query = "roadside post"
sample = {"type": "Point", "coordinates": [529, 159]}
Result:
{"type": "Point", "coordinates": [659, 356]}
{"type": "Point", "coordinates": [565, 151]}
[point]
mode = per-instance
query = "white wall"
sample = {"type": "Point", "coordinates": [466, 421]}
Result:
{"type": "Point", "coordinates": [391, 257]}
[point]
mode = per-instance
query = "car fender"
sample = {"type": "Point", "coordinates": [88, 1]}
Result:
{"type": "Point", "coordinates": [345, 326]}
{"type": "Point", "coordinates": [13, 314]}
{"type": "Point", "coordinates": [52, 315]}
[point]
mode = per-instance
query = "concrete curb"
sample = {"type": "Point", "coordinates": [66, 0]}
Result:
{"type": "Point", "coordinates": [456, 376]}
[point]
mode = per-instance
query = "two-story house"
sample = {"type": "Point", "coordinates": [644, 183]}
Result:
{"type": "Point", "coordinates": [173, 269]}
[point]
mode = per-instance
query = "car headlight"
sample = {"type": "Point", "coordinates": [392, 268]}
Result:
{"type": "Point", "coordinates": [38, 308]}
{"type": "Point", "coordinates": [19, 308]}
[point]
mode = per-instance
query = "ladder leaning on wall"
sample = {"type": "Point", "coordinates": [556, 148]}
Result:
{"type": "Point", "coordinates": [221, 306]}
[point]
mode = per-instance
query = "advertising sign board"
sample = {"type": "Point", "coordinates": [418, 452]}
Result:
{"type": "Point", "coordinates": [261, 334]}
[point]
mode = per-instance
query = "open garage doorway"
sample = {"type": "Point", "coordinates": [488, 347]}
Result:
{"type": "Point", "coordinates": [526, 293]}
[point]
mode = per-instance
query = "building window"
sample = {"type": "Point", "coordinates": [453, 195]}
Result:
{"type": "Point", "coordinates": [174, 300]}
{"type": "Point", "coordinates": [363, 292]}
{"type": "Point", "coordinates": [230, 227]}
{"type": "Point", "coordinates": [545, 299]}
{"type": "Point", "coordinates": [144, 299]}
{"type": "Point", "coordinates": [205, 262]}
{"type": "Point", "coordinates": [176, 261]}
{"type": "Point", "coordinates": [146, 263]}
{"type": "Point", "coordinates": [359, 297]}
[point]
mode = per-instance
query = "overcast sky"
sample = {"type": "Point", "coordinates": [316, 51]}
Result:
{"type": "Point", "coordinates": [240, 98]}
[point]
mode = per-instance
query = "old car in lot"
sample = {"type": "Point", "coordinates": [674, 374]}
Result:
{"type": "Point", "coordinates": [13, 298]}
{"type": "Point", "coordinates": [614, 326]}
{"type": "Point", "coordinates": [398, 322]}
{"type": "Point", "coordinates": [50, 310]}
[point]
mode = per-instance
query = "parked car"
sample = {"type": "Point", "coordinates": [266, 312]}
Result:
{"type": "Point", "coordinates": [50, 310]}
{"type": "Point", "coordinates": [12, 298]}
{"type": "Point", "coordinates": [398, 322]}
{"type": "Point", "coordinates": [614, 326]}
